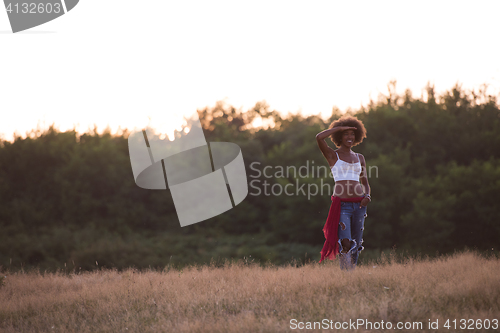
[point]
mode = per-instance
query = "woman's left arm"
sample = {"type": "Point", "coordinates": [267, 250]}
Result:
{"type": "Point", "coordinates": [363, 178]}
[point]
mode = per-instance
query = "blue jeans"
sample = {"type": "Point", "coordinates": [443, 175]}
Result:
{"type": "Point", "coordinates": [351, 226]}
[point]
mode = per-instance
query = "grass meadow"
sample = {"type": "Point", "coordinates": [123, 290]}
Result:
{"type": "Point", "coordinates": [246, 297]}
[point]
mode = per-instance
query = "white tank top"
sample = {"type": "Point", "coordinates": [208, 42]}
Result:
{"type": "Point", "coordinates": [346, 171]}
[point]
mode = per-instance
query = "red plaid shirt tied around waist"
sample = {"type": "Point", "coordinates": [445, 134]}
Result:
{"type": "Point", "coordinates": [331, 228]}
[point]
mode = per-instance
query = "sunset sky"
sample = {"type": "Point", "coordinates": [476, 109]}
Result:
{"type": "Point", "coordinates": [126, 63]}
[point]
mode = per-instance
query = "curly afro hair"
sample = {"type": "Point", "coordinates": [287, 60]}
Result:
{"type": "Point", "coordinates": [359, 132]}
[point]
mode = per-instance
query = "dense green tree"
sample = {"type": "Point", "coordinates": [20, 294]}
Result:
{"type": "Point", "coordinates": [69, 201]}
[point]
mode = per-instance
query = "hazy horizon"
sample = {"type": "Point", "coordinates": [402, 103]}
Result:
{"type": "Point", "coordinates": [114, 63]}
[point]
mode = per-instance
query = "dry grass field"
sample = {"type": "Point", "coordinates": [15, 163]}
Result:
{"type": "Point", "coordinates": [248, 298]}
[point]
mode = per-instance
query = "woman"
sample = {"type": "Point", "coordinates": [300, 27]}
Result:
{"type": "Point", "coordinates": [351, 194]}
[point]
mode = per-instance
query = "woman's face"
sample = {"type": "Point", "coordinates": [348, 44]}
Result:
{"type": "Point", "coordinates": [348, 138]}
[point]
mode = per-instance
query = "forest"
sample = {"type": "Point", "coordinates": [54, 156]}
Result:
{"type": "Point", "coordinates": [68, 201]}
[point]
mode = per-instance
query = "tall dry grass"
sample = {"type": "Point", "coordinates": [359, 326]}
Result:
{"type": "Point", "coordinates": [250, 298]}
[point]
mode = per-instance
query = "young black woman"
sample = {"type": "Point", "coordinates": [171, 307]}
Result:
{"type": "Point", "coordinates": [345, 223]}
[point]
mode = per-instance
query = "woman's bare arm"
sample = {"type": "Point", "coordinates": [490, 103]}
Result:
{"type": "Point", "coordinates": [363, 179]}
{"type": "Point", "coordinates": [323, 146]}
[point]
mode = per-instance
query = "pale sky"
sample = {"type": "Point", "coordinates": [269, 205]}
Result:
{"type": "Point", "coordinates": [117, 63]}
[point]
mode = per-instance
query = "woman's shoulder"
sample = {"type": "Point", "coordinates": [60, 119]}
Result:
{"type": "Point", "coordinates": [361, 157]}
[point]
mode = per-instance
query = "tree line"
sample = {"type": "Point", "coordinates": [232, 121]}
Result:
{"type": "Point", "coordinates": [68, 201]}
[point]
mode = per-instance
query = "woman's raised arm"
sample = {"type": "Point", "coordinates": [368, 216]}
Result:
{"type": "Point", "coordinates": [325, 149]}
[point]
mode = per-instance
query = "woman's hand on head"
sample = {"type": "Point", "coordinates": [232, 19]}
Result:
{"type": "Point", "coordinates": [345, 128]}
